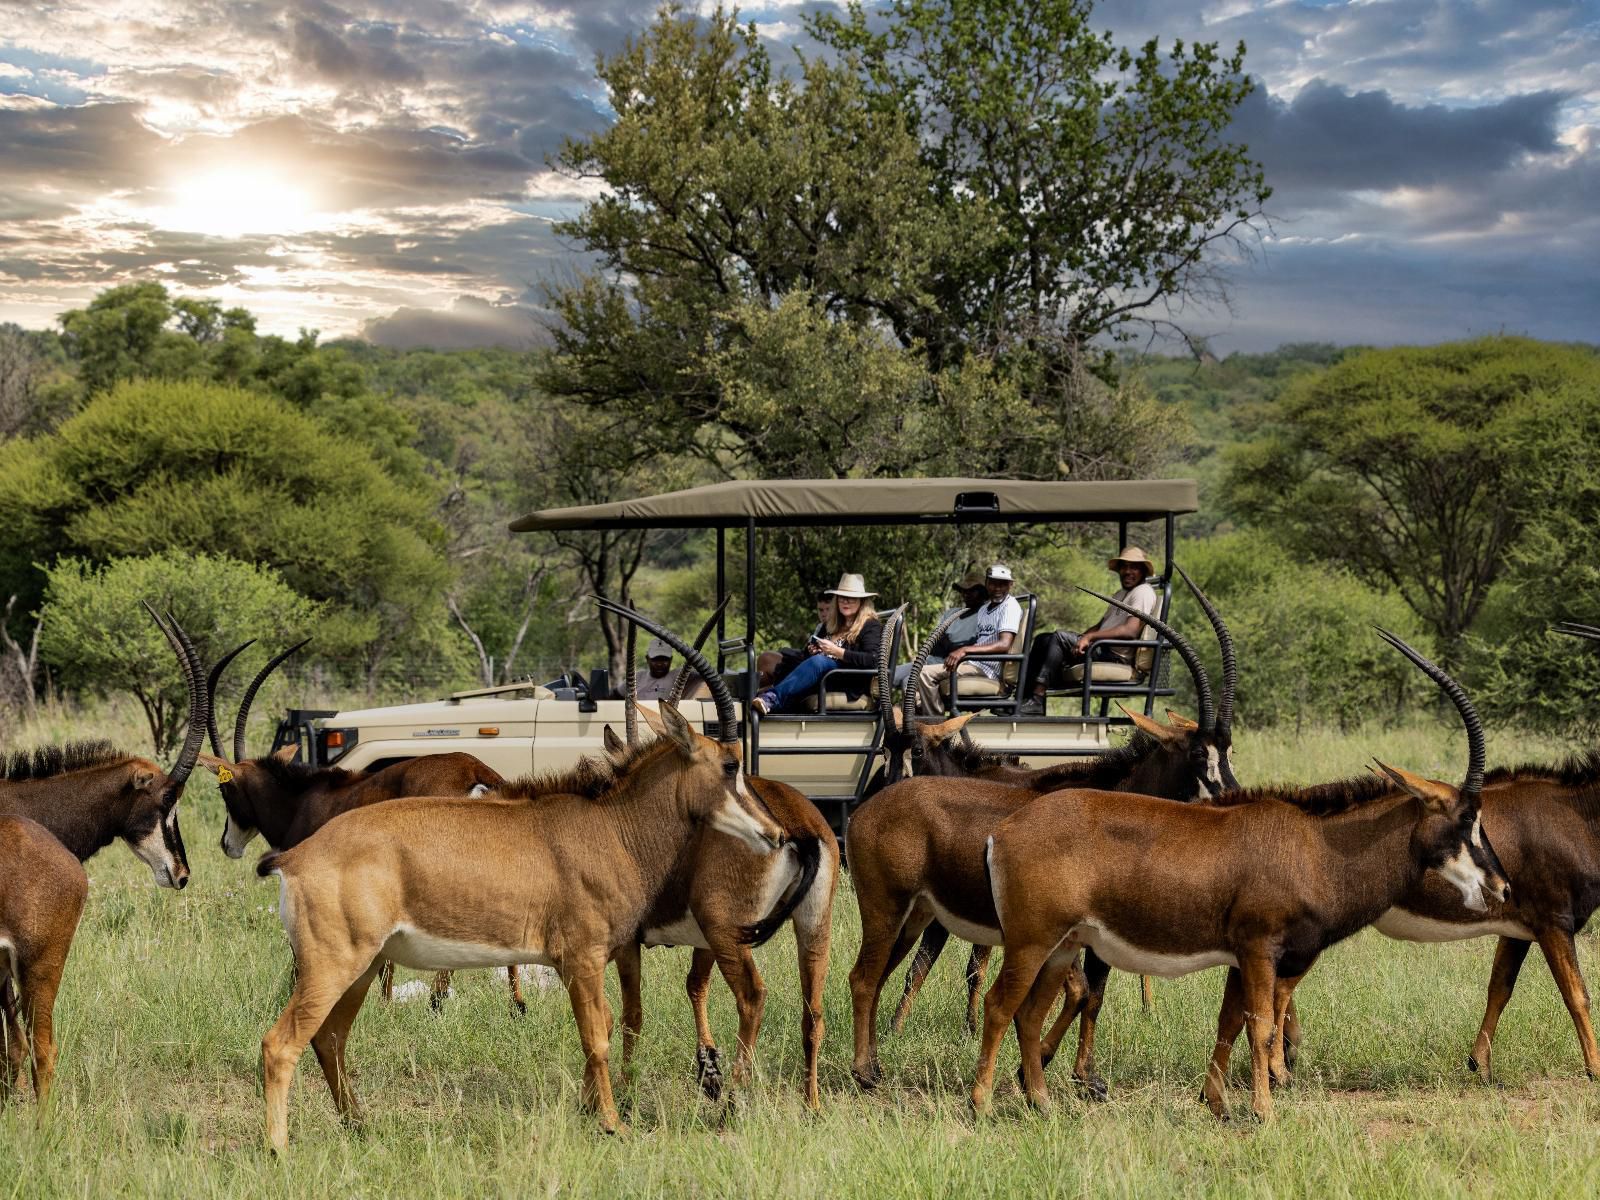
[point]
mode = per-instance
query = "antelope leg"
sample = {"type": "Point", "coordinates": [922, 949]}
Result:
{"type": "Point", "coordinates": [319, 984]}
{"type": "Point", "coordinates": [884, 942]}
{"type": "Point", "coordinates": [933, 943]}
{"type": "Point", "coordinates": [1018, 971]}
{"type": "Point", "coordinates": [1509, 954]}
{"type": "Point", "coordinates": [15, 1041]}
{"type": "Point", "coordinates": [631, 982]}
{"type": "Point", "coordinates": [1230, 1019]}
{"type": "Point", "coordinates": [812, 941]}
{"type": "Point", "coordinates": [1260, 998]}
{"type": "Point", "coordinates": [39, 982]}
{"type": "Point", "coordinates": [977, 971]}
{"type": "Point", "coordinates": [587, 991]}
{"type": "Point", "coordinates": [514, 980]}
{"type": "Point", "coordinates": [330, 1040]}
{"type": "Point", "coordinates": [708, 1064]}
{"type": "Point", "coordinates": [738, 967]}
{"type": "Point", "coordinates": [1562, 955]}
{"type": "Point", "coordinates": [1030, 1020]}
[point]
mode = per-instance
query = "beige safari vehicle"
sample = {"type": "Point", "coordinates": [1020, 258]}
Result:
{"type": "Point", "coordinates": [828, 753]}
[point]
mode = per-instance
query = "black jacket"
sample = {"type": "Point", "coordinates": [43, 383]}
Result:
{"type": "Point", "coordinates": [863, 655]}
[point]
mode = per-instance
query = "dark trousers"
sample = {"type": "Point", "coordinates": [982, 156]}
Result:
{"type": "Point", "coordinates": [1055, 653]}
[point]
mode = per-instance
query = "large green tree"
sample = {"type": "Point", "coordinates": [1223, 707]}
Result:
{"type": "Point", "coordinates": [1417, 467]}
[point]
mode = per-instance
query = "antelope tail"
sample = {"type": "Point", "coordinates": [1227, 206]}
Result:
{"type": "Point", "coordinates": [809, 848]}
{"type": "Point", "coordinates": [268, 863]}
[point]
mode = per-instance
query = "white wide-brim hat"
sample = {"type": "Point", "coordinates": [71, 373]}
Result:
{"type": "Point", "coordinates": [852, 586]}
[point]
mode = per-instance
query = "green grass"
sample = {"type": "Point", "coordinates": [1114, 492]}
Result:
{"type": "Point", "coordinates": [167, 996]}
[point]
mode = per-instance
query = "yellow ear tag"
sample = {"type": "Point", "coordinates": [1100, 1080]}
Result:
{"type": "Point", "coordinates": [224, 775]}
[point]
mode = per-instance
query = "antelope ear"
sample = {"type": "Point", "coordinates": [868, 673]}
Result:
{"type": "Point", "coordinates": [1162, 733]}
{"type": "Point", "coordinates": [216, 765]}
{"type": "Point", "coordinates": [675, 728]}
{"type": "Point", "coordinates": [612, 741]}
{"type": "Point", "coordinates": [899, 719]}
{"type": "Point", "coordinates": [652, 718]}
{"type": "Point", "coordinates": [143, 779]}
{"type": "Point", "coordinates": [1430, 791]}
{"type": "Point", "coordinates": [947, 729]}
{"type": "Point", "coordinates": [285, 754]}
{"type": "Point", "coordinates": [1182, 722]}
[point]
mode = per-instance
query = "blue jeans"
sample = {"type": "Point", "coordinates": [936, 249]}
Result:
{"type": "Point", "coordinates": [802, 681]}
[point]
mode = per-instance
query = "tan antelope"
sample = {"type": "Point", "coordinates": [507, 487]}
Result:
{"type": "Point", "coordinates": [42, 890]}
{"type": "Point", "coordinates": [1264, 883]}
{"type": "Point", "coordinates": [916, 851]}
{"type": "Point", "coordinates": [1544, 822]}
{"type": "Point", "coordinates": [727, 898]}
{"type": "Point", "coordinates": [444, 883]}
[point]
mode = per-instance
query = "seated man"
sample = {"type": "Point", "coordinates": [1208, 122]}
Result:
{"type": "Point", "coordinates": [1053, 654]}
{"type": "Point", "coordinates": [998, 620]}
{"type": "Point", "coordinates": [963, 631]}
{"type": "Point", "coordinates": [655, 681]}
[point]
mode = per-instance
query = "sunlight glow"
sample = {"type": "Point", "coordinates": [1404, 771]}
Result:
{"type": "Point", "coordinates": [231, 203]}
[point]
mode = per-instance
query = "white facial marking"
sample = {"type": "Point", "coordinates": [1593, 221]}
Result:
{"type": "Point", "coordinates": [1213, 768]}
{"type": "Point", "coordinates": [235, 838]}
{"type": "Point", "coordinates": [152, 851]}
{"type": "Point", "coordinates": [1467, 878]}
{"type": "Point", "coordinates": [730, 817]}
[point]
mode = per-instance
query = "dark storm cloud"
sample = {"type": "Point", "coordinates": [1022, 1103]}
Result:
{"type": "Point", "coordinates": [373, 57]}
{"type": "Point", "coordinates": [1329, 138]}
{"type": "Point", "coordinates": [92, 146]}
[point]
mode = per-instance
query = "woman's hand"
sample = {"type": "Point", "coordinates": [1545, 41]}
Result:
{"type": "Point", "coordinates": [831, 649]}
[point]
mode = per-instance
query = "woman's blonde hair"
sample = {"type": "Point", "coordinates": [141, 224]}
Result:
{"type": "Point", "coordinates": [837, 630]}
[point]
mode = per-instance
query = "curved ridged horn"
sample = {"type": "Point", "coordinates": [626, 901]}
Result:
{"type": "Point", "coordinates": [680, 682]}
{"type": "Point", "coordinates": [727, 712]}
{"type": "Point", "coordinates": [211, 693]}
{"type": "Point", "coordinates": [1573, 629]}
{"type": "Point", "coordinates": [917, 663]}
{"type": "Point", "coordinates": [1202, 681]}
{"type": "Point", "coordinates": [243, 718]}
{"type": "Point", "coordinates": [630, 715]}
{"type": "Point", "coordinates": [891, 622]}
{"type": "Point", "coordinates": [1230, 661]}
{"type": "Point", "coordinates": [1469, 715]}
{"type": "Point", "coordinates": [189, 665]}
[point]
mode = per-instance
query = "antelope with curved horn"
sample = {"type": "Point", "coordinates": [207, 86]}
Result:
{"type": "Point", "coordinates": [1264, 882]}
{"type": "Point", "coordinates": [726, 898]}
{"type": "Point", "coordinates": [449, 882]}
{"type": "Point", "coordinates": [1544, 822]}
{"type": "Point", "coordinates": [916, 851]}
{"type": "Point", "coordinates": [285, 802]}
{"type": "Point", "coordinates": [60, 806]}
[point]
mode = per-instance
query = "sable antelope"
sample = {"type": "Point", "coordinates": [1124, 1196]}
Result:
{"type": "Point", "coordinates": [1544, 822]}
{"type": "Point", "coordinates": [89, 793]}
{"type": "Point", "coordinates": [916, 850]}
{"type": "Point", "coordinates": [42, 889]}
{"type": "Point", "coordinates": [286, 802]}
{"type": "Point", "coordinates": [1265, 883]}
{"type": "Point", "coordinates": [725, 899]}
{"type": "Point", "coordinates": [438, 883]}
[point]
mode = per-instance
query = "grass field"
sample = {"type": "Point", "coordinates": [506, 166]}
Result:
{"type": "Point", "coordinates": [167, 996]}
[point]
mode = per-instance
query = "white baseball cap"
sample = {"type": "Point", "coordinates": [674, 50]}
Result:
{"type": "Point", "coordinates": [1000, 571]}
{"type": "Point", "coordinates": [657, 649]}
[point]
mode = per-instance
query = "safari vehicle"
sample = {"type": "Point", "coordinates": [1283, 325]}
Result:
{"type": "Point", "coordinates": [828, 753]}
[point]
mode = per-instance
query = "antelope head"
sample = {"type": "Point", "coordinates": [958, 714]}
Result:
{"type": "Point", "coordinates": [712, 784]}
{"type": "Point", "coordinates": [151, 827]}
{"type": "Point", "coordinates": [242, 783]}
{"type": "Point", "coordinates": [1200, 750]}
{"type": "Point", "coordinates": [1449, 838]}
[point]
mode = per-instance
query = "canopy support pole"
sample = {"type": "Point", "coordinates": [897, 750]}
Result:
{"type": "Point", "coordinates": [722, 592]}
{"type": "Point", "coordinates": [752, 735]}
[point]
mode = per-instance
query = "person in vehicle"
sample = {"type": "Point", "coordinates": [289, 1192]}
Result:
{"type": "Point", "coordinates": [655, 681]}
{"type": "Point", "coordinates": [963, 631]}
{"type": "Point", "coordinates": [773, 665]}
{"type": "Point", "coordinates": [1057, 651]}
{"type": "Point", "coordinates": [850, 638]}
{"type": "Point", "coordinates": [997, 622]}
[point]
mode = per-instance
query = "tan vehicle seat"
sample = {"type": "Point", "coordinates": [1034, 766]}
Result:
{"type": "Point", "coordinates": [1120, 672]}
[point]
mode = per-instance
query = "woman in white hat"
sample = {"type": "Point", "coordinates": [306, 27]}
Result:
{"type": "Point", "coordinates": [850, 639]}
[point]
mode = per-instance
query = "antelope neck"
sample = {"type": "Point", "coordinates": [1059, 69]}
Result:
{"type": "Point", "coordinates": [86, 810]}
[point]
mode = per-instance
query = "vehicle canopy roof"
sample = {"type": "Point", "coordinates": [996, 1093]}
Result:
{"type": "Point", "coordinates": [790, 502]}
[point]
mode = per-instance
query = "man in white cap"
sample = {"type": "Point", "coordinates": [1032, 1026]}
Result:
{"type": "Point", "coordinates": [1053, 654]}
{"type": "Point", "coordinates": [999, 619]}
{"type": "Point", "coordinates": [655, 681]}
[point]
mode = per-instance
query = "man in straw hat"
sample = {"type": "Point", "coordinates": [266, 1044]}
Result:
{"type": "Point", "coordinates": [851, 639]}
{"type": "Point", "coordinates": [1053, 654]}
{"type": "Point", "coordinates": [998, 620]}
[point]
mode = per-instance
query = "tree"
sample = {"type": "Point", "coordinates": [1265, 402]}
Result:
{"type": "Point", "coordinates": [98, 634]}
{"type": "Point", "coordinates": [1412, 467]}
{"type": "Point", "coordinates": [155, 467]}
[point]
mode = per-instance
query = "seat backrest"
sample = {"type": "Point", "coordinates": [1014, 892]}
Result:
{"type": "Point", "coordinates": [1145, 657]}
{"type": "Point", "coordinates": [1010, 672]}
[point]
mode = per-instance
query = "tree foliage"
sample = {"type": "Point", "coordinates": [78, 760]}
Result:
{"type": "Point", "coordinates": [98, 635]}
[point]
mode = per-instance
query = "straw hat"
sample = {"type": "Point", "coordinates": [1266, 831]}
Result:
{"type": "Point", "coordinates": [853, 587]}
{"type": "Point", "coordinates": [967, 582]}
{"type": "Point", "coordinates": [657, 649]}
{"type": "Point", "coordinates": [1132, 554]}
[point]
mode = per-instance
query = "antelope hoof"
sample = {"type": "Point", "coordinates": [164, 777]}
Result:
{"type": "Point", "coordinates": [519, 1007]}
{"type": "Point", "coordinates": [436, 1002]}
{"type": "Point", "coordinates": [868, 1076]}
{"type": "Point", "coordinates": [1094, 1088]}
{"type": "Point", "coordinates": [708, 1071]}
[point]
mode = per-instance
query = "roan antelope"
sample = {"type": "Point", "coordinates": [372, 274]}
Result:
{"type": "Point", "coordinates": [1265, 883]}
{"type": "Point", "coordinates": [42, 890]}
{"type": "Point", "coordinates": [916, 852]}
{"type": "Point", "coordinates": [445, 883]}
{"type": "Point", "coordinates": [726, 898]}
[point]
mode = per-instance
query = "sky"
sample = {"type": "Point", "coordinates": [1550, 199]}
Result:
{"type": "Point", "coordinates": [381, 168]}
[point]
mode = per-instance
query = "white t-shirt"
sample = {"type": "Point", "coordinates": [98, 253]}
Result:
{"type": "Point", "coordinates": [993, 620]}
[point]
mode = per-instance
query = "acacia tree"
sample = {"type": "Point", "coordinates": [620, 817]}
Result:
{"type": "Point", "coordinates": [1415, 467]}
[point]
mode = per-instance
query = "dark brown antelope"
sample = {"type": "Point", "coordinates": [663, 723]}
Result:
{"type": "Point", "coordinates": [725, 900]}
{"type": "Point", "coordinates": [445, 883]}
{"type": "Point", "coordinates": [916, 850]}
{"type": "Point", "coordinates": [42, 889]}
{"type": "Point", "coordinates": [286, 802]}
{"type": "Point", "coordinates": [1544, 822]}
{"type": "Point", "coordinates": [1264, 883]}
{"type": "Point", "coordinates": [89, 793]}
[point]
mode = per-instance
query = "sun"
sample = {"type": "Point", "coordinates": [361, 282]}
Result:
{"type": "Point", "coordinates": [233, 202]}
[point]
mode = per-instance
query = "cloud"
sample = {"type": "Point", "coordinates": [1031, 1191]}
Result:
{"type": "Point", "coordinates": [469, 323]}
